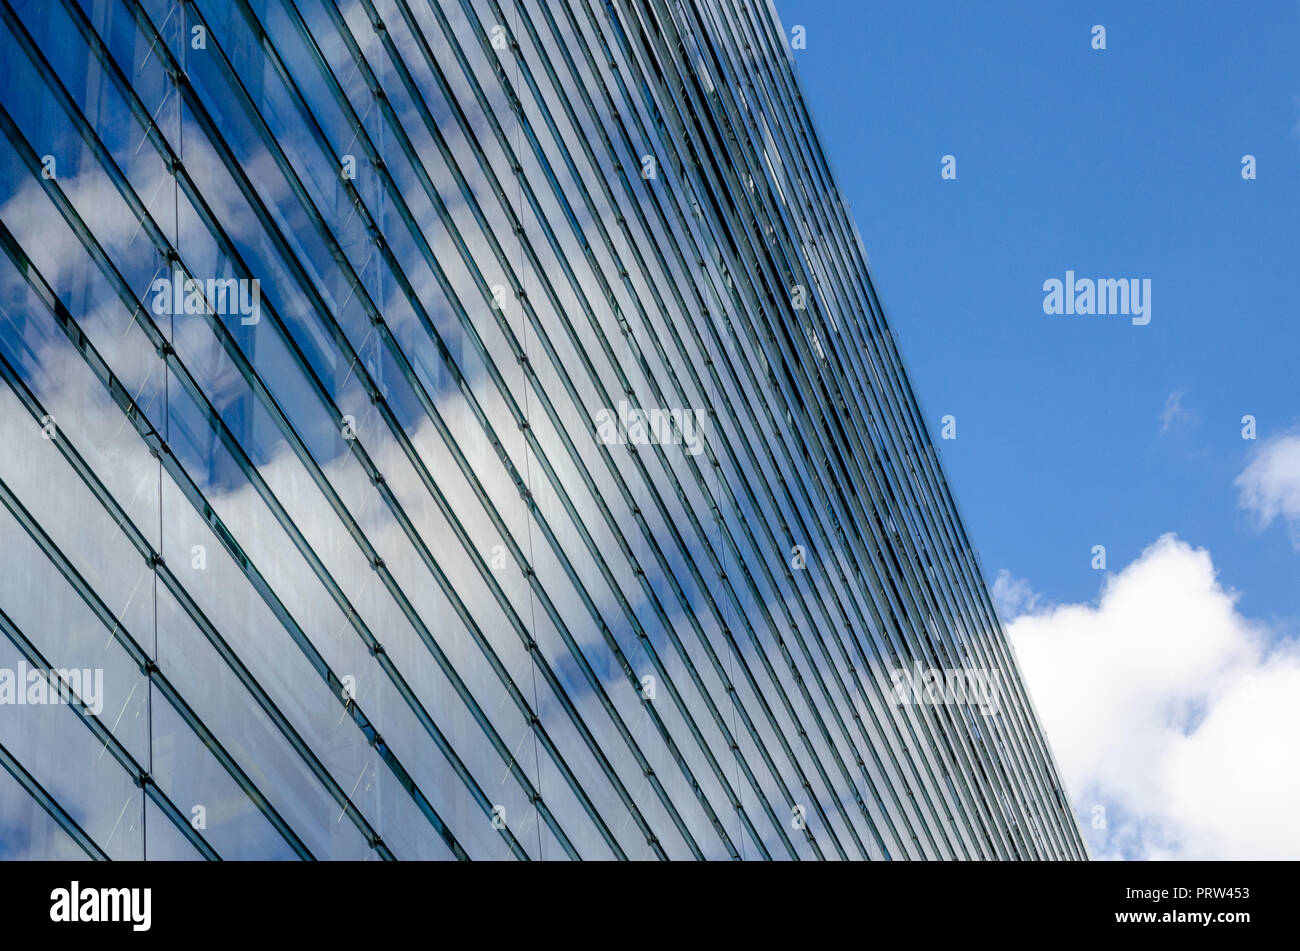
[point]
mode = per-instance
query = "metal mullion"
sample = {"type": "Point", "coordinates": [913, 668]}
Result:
{"type": "Point", "coordinates": [867, 776]}
{"type": "Point", "coordinates": [795, 718]}
{"type": "Point", "coordinates": [563, 631]}
{"type": "Point", "coordinates": [903, 578]}
{"type": "Point", "coordinates": [498, 595]}
{"type": "Point", "coordinates": [563, 496]}
{"type": "Point", "coordinates": [50, 805]}
{"type": "Point", "coordinates": [887, 816]}
{"type": "Point", "coordinates": [402, 603]}
{"type": "Point", "coordinates": [940, 499]}
{"type": "Point", "coordinates": [653, 491]}
{"type": "Point", "coordinates": [579, 523]}
{"type": "Point", "coordinates": [138, 773]}
{"type": "Point", "coordinates": [60, 562]}
{"type": "Point", "coordinates": [133, 534]}
{"type": "Point", "coordinates": [815, 204]}
{"type": "Point", "coordinates": [141, 423]}
{"type": "Point", "coordinates": [744, 233]}
{"type": "Point", "coordinates": [232, 444]}
{"type": "Point", "coordinates": [641, 262]}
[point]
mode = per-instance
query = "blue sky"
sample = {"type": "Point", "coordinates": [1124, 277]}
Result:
{"type": "Point", "coordinates": [1079, 431]}
{"type": "Point", "coordinates": [1117, 163]}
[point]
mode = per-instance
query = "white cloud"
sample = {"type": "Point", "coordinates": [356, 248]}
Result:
{"type": "Point", "coordinates": [1167, 707]}
{"type": "Point", "coordinates": [1174, 411]}
{"type": "Point", "coordinates": [1270, 485]}
{"type": "Point", "coordinates": [1014, 596]}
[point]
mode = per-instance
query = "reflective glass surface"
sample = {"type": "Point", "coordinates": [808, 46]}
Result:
{"type": "Point", "coordinates": [467, 429]}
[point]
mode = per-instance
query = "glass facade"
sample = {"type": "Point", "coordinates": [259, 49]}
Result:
{"type": "Point", "coordinates": [467, 429]}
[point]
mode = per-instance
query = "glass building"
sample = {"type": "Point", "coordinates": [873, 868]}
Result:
{"type": "Point", "coordinates": [467, 429]}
